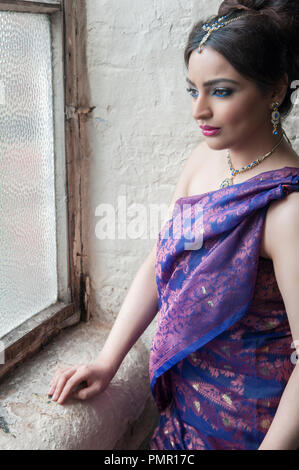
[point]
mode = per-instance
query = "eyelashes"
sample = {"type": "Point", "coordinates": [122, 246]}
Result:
{"type": "Point", "coordinates": [191, 92]}
{"type": "Point", "coordinates": [194, 93]}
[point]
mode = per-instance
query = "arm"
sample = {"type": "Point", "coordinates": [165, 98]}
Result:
{"type": "Point", "coordinates": [283, 433]}
{"type": "Point", "coordinates": [137, 311]}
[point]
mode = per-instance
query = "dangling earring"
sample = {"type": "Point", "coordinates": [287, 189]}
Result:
{"type": "Point", "coordinates": [275, 117]}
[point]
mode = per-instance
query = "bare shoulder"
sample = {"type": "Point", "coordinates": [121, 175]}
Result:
{"type": "Point", "coordinates": [198, 154]}
{"type": "Point", "coordinates": [284, 209]}
{"type": "Point", "coordinates": [282, 223]}
{"type": "Point", "coordinates": [191, 165]}
{"type": "Point", "coordinates": [196, 163]}
{"type": "Point", "coordinates": [195, 158]}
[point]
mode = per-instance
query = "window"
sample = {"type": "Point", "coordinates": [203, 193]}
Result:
{"type": "Point", "coordinates": [42, 281]}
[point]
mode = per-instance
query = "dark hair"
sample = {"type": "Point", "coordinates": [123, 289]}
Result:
{"type": "Point", "coordinates": [262, 45]}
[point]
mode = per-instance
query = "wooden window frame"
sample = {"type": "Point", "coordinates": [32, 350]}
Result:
{"type": "Point", "coordinates": [73, 299]}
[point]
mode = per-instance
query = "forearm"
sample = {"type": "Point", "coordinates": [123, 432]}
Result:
{"type": "Point", "coordinates": [137, 311]}
{"type": "Point", "coordinates": [283, 433]}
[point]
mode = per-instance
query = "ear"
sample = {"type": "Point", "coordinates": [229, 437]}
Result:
{"type": "Point", "coordinates": [280, 90]}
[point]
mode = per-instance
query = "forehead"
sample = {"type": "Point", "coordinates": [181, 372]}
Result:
{"type": "Point", "coordinates": [209, 65]}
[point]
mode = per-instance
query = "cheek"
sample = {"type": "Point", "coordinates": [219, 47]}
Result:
{"type": "Point", "coordinates": [237, 113]}
{"type": "Point", "coordinates": [243, 112]}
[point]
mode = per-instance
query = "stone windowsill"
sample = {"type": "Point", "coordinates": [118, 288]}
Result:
{"type": "Point", "coordinates": [119, 418]}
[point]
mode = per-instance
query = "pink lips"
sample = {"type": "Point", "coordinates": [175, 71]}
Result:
{"type": "Point", "coordinates": [210, 131]}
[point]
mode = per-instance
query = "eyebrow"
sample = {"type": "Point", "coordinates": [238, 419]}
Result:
{"type": "Point", "coordinates": [214, 82]}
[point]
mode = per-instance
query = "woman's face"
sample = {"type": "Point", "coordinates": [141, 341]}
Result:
{"type": "Point", "coordinates": [234, 105]}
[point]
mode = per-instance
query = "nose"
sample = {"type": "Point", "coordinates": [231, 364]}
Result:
{"type": "Point", "coordinates": [201, 109]}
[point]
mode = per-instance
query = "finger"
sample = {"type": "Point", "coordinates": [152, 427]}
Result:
{"type": "Point", "coordinates": [65, 376]}
{"type": "Point", "coordinates": [76, 379]}
{"type": "Point", "coordinates": [53, 383]}
{"type": "Point", "coordinates": [56, 377]}
{"type": "Point", "coordinates": [87, 392]}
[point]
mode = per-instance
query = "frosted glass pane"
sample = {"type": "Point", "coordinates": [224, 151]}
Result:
{"type": "Point", "coordinates": [28, 272]}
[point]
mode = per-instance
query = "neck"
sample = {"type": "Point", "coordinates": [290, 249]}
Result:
{"type": "Point", "coordinates": [255, 147]}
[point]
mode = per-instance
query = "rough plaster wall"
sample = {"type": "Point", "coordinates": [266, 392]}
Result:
{"type": "Point", "coordinates": [141, 130]}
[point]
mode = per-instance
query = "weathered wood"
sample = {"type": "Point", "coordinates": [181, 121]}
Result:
{"type": "Point", "coordinates": [77, 112]}
{"type": "Point", "coordinates": [32, 7]}
{"type": "Point", "coordinates": [33, 334]}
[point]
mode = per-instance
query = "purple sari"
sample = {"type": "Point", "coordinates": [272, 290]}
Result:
{"type": "Point", "coordinates": [221, 356]}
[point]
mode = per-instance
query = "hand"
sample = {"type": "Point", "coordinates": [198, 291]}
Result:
{"type": "Point", "coordinates": [93, 378]}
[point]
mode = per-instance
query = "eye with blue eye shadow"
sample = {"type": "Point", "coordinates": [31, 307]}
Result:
{"type": "Point", "coordinates": [194, 93]}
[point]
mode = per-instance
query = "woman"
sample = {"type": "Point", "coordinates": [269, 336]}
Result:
{"type": "Point", "coordinates": [220, 367]}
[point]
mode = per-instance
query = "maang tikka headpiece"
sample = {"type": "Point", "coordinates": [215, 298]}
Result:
{"type": "Point", "coordinates": [217, 25]}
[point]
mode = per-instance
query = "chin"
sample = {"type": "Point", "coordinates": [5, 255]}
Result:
{"type": "Point", "coordinates": [215, 144]}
